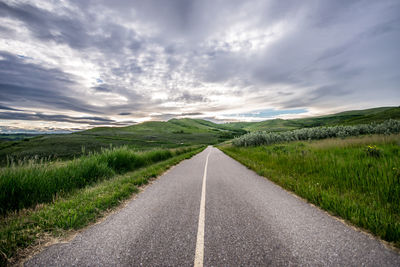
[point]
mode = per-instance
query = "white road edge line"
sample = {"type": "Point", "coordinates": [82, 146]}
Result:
{"type": "Point", "coordinates": [199, 256]}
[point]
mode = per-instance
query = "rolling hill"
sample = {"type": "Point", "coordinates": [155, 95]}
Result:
{"type": "Point", "coordinates": [172, 133]}
{"type": "Point", "coordinates": [143, 136]}
{"type": "Point", "coordinates": [342, 118]}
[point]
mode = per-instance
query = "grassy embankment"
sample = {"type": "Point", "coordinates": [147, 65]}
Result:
{"type": "Point", "coordinates": [143, 136]}
{"type": "Point", "coordinates": [356, 178]}
{"type": "Point", "coordinates": [316, 133]}
{"type": "Point", "coordinates": [352, 117]}
{"type": "Point", "coordinates": [88, 187]}
{"type": "Point", "coordinates": [170, 134]}
{"type": "Point", "coordinates": [22, 186]}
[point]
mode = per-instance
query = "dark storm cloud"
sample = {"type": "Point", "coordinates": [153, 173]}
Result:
{"type": "Point", "coordinates": [188, 97]}
{"type": "Point", "coordinates": [60, 118]}
{"type": "Point", "coordinates": [76, 30]}
{"type": "Point", "coordinates": [36, 97]}
{"type": "Point", "coordinates": [31, 85]}
{"type": "Point", "coordinates": [329, 91]}
{"type": "Point", "coordinates": [102, 88]}
{"type": "Point", "coordinates": [6, 31]}
{"type": "Point", "coordinates": [175, 19]}
{"type": "Point", "coordinates": [168, 116]}
{"type": "Point", "coordinates": [7, 108]}
{"type": "Point", "coordinates": [192, 114]}
{"type": "Point", "coordinates": [43, 23]}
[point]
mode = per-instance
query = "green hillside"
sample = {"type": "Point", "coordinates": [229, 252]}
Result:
{"type": "Point", "coordinates": [15, 137]}
{"type": "Point", "coordinates": [143, 136]}
{"type": "Point", "coordinates": [170, 134]}
{"type": "Point", "coordinates": [342, 118]}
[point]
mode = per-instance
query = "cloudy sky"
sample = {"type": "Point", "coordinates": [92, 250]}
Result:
{"type": "Point", "coordinates": [79, 64]}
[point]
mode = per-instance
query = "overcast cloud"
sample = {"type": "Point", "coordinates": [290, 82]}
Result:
{"type": "Point", "coordinates": [79, 64]}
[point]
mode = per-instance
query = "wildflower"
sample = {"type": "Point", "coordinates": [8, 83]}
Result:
{"type": "Point", "coordinates": [373, 151]}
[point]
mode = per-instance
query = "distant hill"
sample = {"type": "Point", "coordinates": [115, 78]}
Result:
{"type": "Point", "coordinates": [143, 136]}
{"type": "Point", "coordinates": [173, 133]}
{"type": "Point", "coordinates": [15, 137]}
{"type": "Point", "coordinates": [342, 118]}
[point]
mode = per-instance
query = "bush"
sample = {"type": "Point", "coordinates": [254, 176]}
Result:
{"type": "Point", "coordinates": [316, 133]}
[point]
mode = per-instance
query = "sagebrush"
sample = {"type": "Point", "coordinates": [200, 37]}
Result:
{"type": "Point", "coordinates": [317, 133]}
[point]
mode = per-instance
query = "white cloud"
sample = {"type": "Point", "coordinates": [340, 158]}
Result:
{"type": "Point", "coordinates": [206, 57]}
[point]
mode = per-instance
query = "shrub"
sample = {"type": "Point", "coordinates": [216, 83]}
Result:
{"type": "Point", "coordinates": [316, 133]}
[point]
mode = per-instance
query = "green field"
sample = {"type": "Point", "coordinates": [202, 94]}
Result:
{"type": "Point", "coordinates": [344, 118]}
{"type": "Point", "coordinates": [143, 136]}
{"type": "Point", "coordinates": [15, 137]}
{"type": "Point", "coordinates": [356, 178]}
{"type": "Point", "coordinates": [170, 134]}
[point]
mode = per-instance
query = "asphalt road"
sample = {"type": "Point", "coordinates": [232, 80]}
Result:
{"type": "Point", "coordinates": [248, 221]}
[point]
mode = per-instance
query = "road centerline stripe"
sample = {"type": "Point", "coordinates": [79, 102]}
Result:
{"type": "Point", "coordinates": [199, 256]}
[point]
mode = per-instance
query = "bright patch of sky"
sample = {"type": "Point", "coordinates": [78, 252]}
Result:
{"type": "Point", "coordinates": [269, 113]}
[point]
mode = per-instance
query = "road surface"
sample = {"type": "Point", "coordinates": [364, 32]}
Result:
{"type": "Point", "coordinates": [210, 210]}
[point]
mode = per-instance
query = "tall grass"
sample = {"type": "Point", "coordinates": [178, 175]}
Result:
{"type": "Point", "coordinates": [32, 183]}
{"type": "Point", "coordinates": [78, 209]}
{"type": "Point", "coordinates": [357, 178]}
{"type": "Point", "coordinates": [316, 133]}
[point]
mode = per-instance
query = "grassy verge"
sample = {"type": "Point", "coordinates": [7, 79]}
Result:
{"type": "Point", "coordinates": [27, 227]}
{"type": "Point", "coordinates": [148, 135]}
{"type": "Point", "coordinates": [23, 186]}
{"type": "Point", "coordinates": [356, 178]}
{"type": "Point", "coordinates": [317, 133]}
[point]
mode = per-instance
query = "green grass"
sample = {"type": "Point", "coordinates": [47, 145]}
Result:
{"type": "Point", "coordinates": [316, 133]}
{"type": "Point", "coordinates": [353, 117]}
{"type": "Point", "coordinates": [34, 183]}
{"type": "Point", "coordinates": [355, 178]}
{"type": "Point", "coordinates": [170, 134]}
{"type": "Point", "coordinates": [26, 228]}
{"type": "Point", "coordinates": [15, 137]}
{"type": "Point", "coordinates": [143, 136]}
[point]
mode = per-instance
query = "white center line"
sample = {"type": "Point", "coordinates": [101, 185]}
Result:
{"type": "Point", "coordinates": [199, 256]}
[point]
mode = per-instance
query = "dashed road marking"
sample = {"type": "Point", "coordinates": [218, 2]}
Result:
{"type": "Point", "coordinates": [199, 256]}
